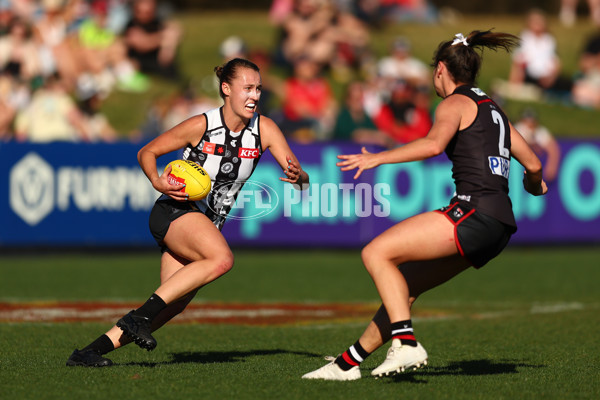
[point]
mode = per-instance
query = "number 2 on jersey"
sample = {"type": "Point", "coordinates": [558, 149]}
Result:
{"type": "Point", "coordinates": [497, 118]}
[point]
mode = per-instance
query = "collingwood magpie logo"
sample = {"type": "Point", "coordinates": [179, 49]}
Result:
{"type": "Point", "coordinates": [32, 188]}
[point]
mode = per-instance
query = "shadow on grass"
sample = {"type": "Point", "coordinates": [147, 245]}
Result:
{"type": "Point", "coordinates": [465, 368]}
{"type": "Point", "coordinates": [212, 357]}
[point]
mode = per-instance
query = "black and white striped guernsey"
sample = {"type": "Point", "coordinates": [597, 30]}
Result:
{"type": "Point", "coordinates": [229, 158]}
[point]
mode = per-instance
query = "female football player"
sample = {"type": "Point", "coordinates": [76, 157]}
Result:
{"type": "Point", "coordinates": [428, 249]}
{"type": "Point", "coordinates": [228, 143]}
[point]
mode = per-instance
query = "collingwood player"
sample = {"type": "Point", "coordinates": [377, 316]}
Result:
{"type": "Point", "coordinates": [228, 142]}
{"type": "Point", "coordinates": [428, 249]}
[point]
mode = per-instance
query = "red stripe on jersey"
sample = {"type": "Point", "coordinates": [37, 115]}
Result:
{"type": "Point", "coordinates": [465, 217]}
{"type": "Point", "coordinates": [460, 249]}
{"type": "Point", "coordinates": [348, 359]}
{"type": "Point", "coordinates": [484, 101]}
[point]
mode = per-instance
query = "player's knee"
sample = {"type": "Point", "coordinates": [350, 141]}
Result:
{"type": "Point", "coordinates": [223, 264]}
{"type": "Point", "coordinates": [369, 255]}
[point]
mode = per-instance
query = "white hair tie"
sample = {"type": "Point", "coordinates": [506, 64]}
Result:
{"type": "Point", "coordinates": [460, 39]}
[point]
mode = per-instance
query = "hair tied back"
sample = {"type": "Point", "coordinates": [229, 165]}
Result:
{"type": "Point", "coordinates": [459, 38]}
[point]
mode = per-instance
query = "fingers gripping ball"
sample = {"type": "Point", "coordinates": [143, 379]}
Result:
{"type": "Point", "coordinates": [196, 179]}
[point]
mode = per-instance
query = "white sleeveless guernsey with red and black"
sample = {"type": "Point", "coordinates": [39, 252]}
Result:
{"type": "Point", "coordinates": [229, 158]}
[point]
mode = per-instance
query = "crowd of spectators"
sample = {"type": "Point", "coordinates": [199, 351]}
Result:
{"type": "Point", "coordinates": [60, 59]}
{"type": "Point", "coordinates": [536, 61]}
{"type": "Point", "coordinates": [537, 72]}
{"type": "Point", "coordinates": [320, 43]}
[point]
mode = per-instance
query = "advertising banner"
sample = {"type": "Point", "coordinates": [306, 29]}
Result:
{"type": "Point", "coordinates": [64, 194]}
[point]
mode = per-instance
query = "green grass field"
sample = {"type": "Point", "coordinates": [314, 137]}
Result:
{"type": "Point", "coordinates": [524, 327]}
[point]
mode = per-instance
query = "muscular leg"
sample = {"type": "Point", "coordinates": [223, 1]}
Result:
{"type": "Point", "coordinates": [427, 236]}
{"type": "Point", "coordinates": [194, 237]}
{"type": "Point", "coordinates": [180, 277]}
{"type": "Point", "coordinates": [420, 276]}
{"type": "Point", "coordinates": [170, 264]}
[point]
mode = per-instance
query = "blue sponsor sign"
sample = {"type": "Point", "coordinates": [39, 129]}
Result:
{"type": "Point", "coordinates": [64, 194]}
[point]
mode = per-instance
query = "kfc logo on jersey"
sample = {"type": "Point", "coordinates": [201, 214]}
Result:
{"type": "Point", "coordinates": [248, 153]}
{"type": "Point", "coordinates": [213, 148]}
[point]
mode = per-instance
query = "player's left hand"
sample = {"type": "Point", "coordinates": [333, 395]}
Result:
{"type": "Point", "coordinates": [292, 172]}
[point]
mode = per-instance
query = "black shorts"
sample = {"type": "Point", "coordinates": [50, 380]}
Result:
{"type": "Point", "coordinates": [479, 237]}
{"type": "Point", "coordinates": [167, 210]}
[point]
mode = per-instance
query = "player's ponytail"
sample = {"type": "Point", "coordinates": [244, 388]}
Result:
{"type": "Point", "coordinates": [228, 71]}
{"type": "Point", "coordinates": [460, 55]}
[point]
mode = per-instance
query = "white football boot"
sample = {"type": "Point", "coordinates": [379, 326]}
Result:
{"type": "Point", "coordinates": [333, 372]}
{"type": "Point", "coordinates": [400, 358]}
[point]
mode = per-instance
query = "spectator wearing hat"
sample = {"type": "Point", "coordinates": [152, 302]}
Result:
{"type": "Point", "coordinates": [401, 64]}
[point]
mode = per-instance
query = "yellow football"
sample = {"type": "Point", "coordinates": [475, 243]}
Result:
{"type": "Point", "coordinates": [196, 179]}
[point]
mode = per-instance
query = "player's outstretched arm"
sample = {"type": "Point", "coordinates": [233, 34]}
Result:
{"type": "Point", "coordinates": [272, 138]}
{"type": "Point", "coordinates": [447, 121]}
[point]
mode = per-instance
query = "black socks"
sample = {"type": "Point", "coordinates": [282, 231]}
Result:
{"type": "Point", "coordinates": [102, 345]}
{"type": "Point", "coordinates": [151, 308]}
